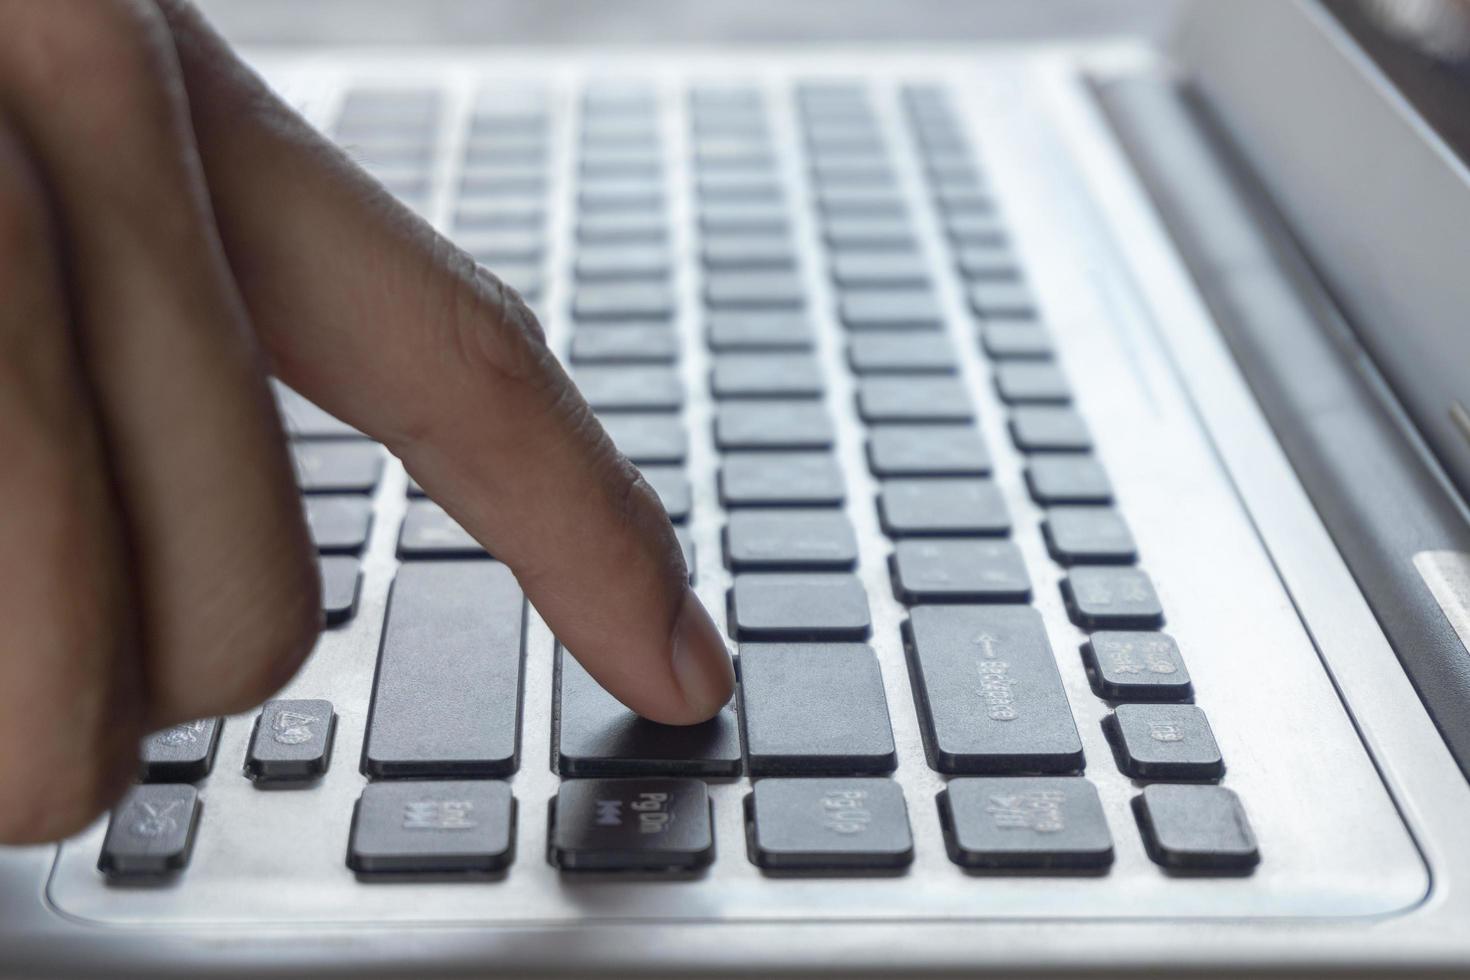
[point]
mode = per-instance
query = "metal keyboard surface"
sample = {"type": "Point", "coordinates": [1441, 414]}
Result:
{"type": "Point", "coordinates": [1331, 842]}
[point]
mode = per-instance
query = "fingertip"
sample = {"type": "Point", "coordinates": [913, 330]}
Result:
{"type": "Point", "coordinates": [701, 662]}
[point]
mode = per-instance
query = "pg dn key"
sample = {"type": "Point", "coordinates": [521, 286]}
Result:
{"type": "Point", "coordinates": [649, 825]}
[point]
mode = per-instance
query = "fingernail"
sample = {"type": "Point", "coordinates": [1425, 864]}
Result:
{"type": "Point", "coordinates": [701, 662]}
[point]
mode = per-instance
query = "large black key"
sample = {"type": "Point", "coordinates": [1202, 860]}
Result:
{"type": "Point", "coordinates": [630, 388]}
{"type": "Point", "coordinates": [959, 571]}
{"type": "Point", "coordinates": [673, 490]}
{"type": "Point", "coordinates": [624, 344]}
{"type": "Point", "coordinates": [1136, 666]}
{"type": "Point", "coordinates": [815, 824]}
{"type": "Point", "coordinates": [341, 580]}
{"type": "Point", "coordinates": [623, 301]}
{"type": "Point", "coordinates": [428, 532]}
{"type": "Point", "coordinates": [766, 376]}
{"type": "Point", "coordinates": [291, 741]}
{"type": "Point", "coordinates": [339, 525]}
{"type": "Point", "coordinates": [801, 540]}
{"type": "Point", "coordinates": [183, 753]}
{"type": "Point", "coordinates": [1037, 823]}
{"type": "Point", "coordinates": [758, 330]}
{"type": "Point", "coordinates": [1015, 340]}
{"type": "Point", "coordinates": [785, 607]}
{"type": "Point", "coordinates": [1088, 536]}
{"type": "Point", "coordinates": [753, 291]}
{"type": "Point", "coordinates": [1199, 829]}
{"type": "Point", "coordinates": [337, 467]}
{"type": "Point", "coordinates": [1068, 479]}
{"type": "Point", "coordinates": [748, 252]}
{"type": "Point", "coordinates": [151, 832]}
{"type": "Point", "coordinates": [1045, 428]}
{"type": "Point", "coordinates": [1112, 598]}
{"type": "Point", "coordinates": [1164, 741]}
{"type": "Point", "coordinates": [598, 736]}
{"type": "Point", "coordinates": [988, 691]}
{"type": "Point", "coordinates": [1002, 300]}
{"type": "Point", "coordinates": [447, 695]}
{"type": "Point", "coordinates": [781, 480]}
{"type": "Point", "coordinates": [901, 352]}
{"type": "Point", "coordinates": [942, 507]}
{"type": "Point", "coordinates": [449, 827]}
{"type": "Point", "coordinates": [913, 399]}
{"type": "Point", "coordinates": [890, 309]}
{"type": "Point", "coordinates": [1031, 382]}
{"type": "Point", "coordinates": [653, 437]}
{"type": "Point", "coordinates": [647, 824]}
{"type": "Point", "coordinates": [879, 270]}
{"type": "Point", "coordinates": [773, 425]}
{"type": "Point", "coordinates": [927, 450]}
{"type": "Point", "coordinates": [842, 730]}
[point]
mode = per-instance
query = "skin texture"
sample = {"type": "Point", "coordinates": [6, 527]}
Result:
{"type": "Point", "coordinates": [170, 235]}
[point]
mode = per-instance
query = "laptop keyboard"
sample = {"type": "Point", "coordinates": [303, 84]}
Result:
{"type": "Point", "coordinates": [753, 285]}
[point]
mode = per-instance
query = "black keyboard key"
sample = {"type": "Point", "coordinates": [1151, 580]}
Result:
{"type": "Point", "coordinates": [1088, 535]}
{"type": "Point", "coordinates": [851, 233]}
{"type": "Point", "coordinates": [788, 541]}
{"type": "Point", "coordinates": [901, 352]}
{"type": "Point", "coordinates": [843, 730]}
{"type": "Point", "coordinates": [738, 187]}
{"type": "Point", "coordinates": [798, 607]}
{"type": "Point", "coordinates": [447, 694]}
{"type": "Point", "coordinates": [947, 507]}
{"type": "Point", "coordinates": [339, 525]}
{"type": "Point", "coordinates": [648, 824]}
{"type": "Point", "coordinates": [766, 376]}
{"type": "Point", "coordinates": [341, 580]}
{"type": "Point", "coordinates": [1112, 598]}
{"type": "Point", "coordinates": [773, 425]}
{"type": "Point", "coordinates": [913, 399]}
{"type": "Point", "coordinates": [753, 291]}
{"type": "Point", "coordinates": [631, 388]}
{"type": "Point", "coordinates": [781, 480]}
{"type": "Point", "coordinates": [959, 571]}
{"type": "Point", "coordinates": [975, 228]}
{"type": "Point", "coordinates": [743, 219]}
{"type": "Point", "coordinates": [988, 691]}
{"type": "Point", "coordinates": [744, 253]}
{"type": "Point", "coordinates": [927, 450]}
{"type": "Point", "coordinates": [1068, 479]}
{"type": "Point", "coordinates": [625, 344]}
{"type": "Point", "coordinates": [1031, 382]}
{"type": "Point", "coordinates": [758, 330]}
{"type": "Point", "coordinates": [495, 247]}
{"type": "Point", "coordinates": [151, 833]}
{"type": "Point", "coordinates": [1002, 299]}
{"type": "Point", "coordinates": [853, 173]}
{"type": "Point", "coordinates": [291, 741]}
{"type": "Point", "coordinates": [428, 828]}
{"type": "Point", "coordinates": [653, 437]}
{"type": "Point", "coordinates": [598, 736]}
{"type": "Point", "coordinates": [1036, 823]}
{"type": "Point", "coordinates": [992, 261]}
{"type": "Point", "coordinates": [1196, 829]}
{"type": "Point", "coordinates": [635, 194]}
{"type": "Point", "coordinates": [1136, 666]}
{"type": "Point", "coordinates": [879, 270]}
{"type": "Point", "coordinates": [1164, 741]}
{"type": "Point", "coordinates": [1015, 340]}
{"type": "Point", "coordinates": [337, 467]}
{"type": "Point", "coordinates": [866, 202]}
{"type": "Point", "coordinates": [890, 309]}
{"type": "Point", "coordinates": [820, 824]}
{"type": "Point", "coordinates": [621, 227]}
{"type": "Point", "coordinates": [1045, 428]}
{"type": "Point", "coordinates": [182, 753]}
{"type": "Point", "coordinates": [428, 532]}
{"type": "Point", "coordinates": [673, 490]}
{"type": "Point", "coordinates": [623, 301]}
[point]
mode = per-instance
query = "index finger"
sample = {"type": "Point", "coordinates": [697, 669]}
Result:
{"type": "Point", "coordinates": [365, 310]}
